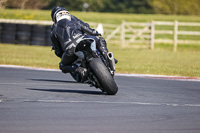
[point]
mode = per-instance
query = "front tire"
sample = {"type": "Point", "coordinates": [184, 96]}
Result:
{"type": "Point", "coordinates": [103, 75]}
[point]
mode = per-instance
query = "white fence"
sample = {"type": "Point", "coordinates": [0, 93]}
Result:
{"type": "Point", "coordinates": [176, 32]}
{"type": "Point", "coordinates": [127, 34]}
{"type": "Point", "coordinates": [148, 33]}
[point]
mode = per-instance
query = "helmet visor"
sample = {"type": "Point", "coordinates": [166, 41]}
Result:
{"type": "Point", "coordinates": [63, 15]}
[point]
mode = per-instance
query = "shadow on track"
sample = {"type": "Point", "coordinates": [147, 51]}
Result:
{"type": "Point", "coordinates": [64, 90]}
{"type": "Point", "coordinates": [68, 91]}
{"type": "Point", "coordinates": [53, 80]}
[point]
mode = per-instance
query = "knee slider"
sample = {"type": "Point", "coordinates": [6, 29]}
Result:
{"type": "Point", "coordinates": [70, 51]}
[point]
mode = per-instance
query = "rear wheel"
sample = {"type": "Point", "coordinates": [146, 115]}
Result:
{"type": "Point", "coordinates": [103, 75]}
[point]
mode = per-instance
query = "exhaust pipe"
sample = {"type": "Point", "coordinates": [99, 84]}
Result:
{"type": "Point", "coordinates": [111, 60]}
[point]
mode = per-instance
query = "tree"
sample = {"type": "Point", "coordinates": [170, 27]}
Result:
{"type": "Point", "coordinates": [185, 7]}
{"type": "Point", "coordinates": [2, 3]}
{"type": "Point", "coordinates": [127, 6]}
{"type": "Point", "coordinates": [27, 4]}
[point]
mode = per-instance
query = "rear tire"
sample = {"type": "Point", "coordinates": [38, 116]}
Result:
{"type": "Point", "coordinates": [104, 77]}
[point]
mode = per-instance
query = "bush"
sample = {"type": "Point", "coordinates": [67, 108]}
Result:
{"type": "Point", "coordinates": [183, 7]}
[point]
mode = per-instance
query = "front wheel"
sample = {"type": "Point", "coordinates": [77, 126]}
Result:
{"type": "Point", "coordinates": [103, 75]}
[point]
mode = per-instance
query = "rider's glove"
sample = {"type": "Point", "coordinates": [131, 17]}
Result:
{"type": "Point", "coordinates": [99, 34]}
{"type": "Point", "coordinates": [96, 33]}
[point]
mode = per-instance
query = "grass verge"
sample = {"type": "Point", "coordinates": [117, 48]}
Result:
{"type": "Point", "coordinates": [112, 18]}
{"type": "Point", "coordinates": [140, 61]}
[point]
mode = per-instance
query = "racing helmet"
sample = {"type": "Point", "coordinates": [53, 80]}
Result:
{"type": "Point", "coordinates": [59, 13]}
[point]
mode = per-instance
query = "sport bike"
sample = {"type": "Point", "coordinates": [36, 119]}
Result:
{"type": "Point", "coordinates": [100, 71]}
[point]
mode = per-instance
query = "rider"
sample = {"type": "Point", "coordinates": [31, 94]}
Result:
{"type": "Point", "coordinates": [66, 32]}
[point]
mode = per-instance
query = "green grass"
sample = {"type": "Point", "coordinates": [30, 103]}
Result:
{"type": "Point", "coordinates": [161, 62]}
{"type": "Point", "coordinates": [36, 56]}
{"type": "Point", "coordinates": [140, 61]}
{"type": "Point", "coordinates": [112, 18]}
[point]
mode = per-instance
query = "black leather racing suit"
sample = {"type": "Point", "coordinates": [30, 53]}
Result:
{"type": "Point", "coordinates": [65, 36]}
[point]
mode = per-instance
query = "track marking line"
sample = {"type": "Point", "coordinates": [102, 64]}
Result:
{"type": "Point", "coordinates": [30, 68]}
{"type": "Point", "coordinates": [107, 102]}
{"type": "Point", "coordinates": [165, 77]}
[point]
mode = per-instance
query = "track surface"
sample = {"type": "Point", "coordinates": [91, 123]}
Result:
{"type": "Point", "coordinates": [34, 101]}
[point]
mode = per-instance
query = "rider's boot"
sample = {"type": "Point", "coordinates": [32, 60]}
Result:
{"type": "Point", "coordinates": [65, 68]}
{"type": "Point", "coordinates": [78, 73]}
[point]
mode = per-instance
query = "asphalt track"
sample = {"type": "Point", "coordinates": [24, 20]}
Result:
{"type": "Point", "coordinates": [37, 101]}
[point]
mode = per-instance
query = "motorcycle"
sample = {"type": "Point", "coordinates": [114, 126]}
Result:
{"type": "Point", "coordinates": [100, 71]}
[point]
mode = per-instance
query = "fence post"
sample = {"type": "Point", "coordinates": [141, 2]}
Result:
{"type": "Point", "coordinates": [152, 35]}
{"type": "Point", "coordinates": [175, 35]}
{"type": "Point", "coordinates": [123, 34]}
